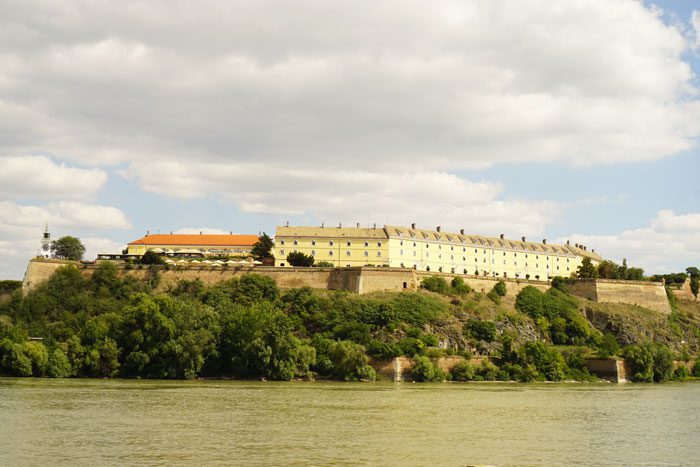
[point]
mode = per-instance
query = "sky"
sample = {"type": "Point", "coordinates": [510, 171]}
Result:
{"type": "Point", "coordinates": [570, 119]}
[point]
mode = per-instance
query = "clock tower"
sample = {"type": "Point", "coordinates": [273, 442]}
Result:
{"type": "Point", "coordinates": [45, 251]}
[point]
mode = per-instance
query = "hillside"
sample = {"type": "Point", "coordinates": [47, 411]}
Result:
{"type": "Point", "coordinates": [115, 325]}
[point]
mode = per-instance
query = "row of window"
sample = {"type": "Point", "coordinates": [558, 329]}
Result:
{"type": "Point", "coordinates": [331, 243]}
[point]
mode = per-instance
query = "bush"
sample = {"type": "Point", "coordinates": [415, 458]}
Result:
{"type": "Point", "coordinates": [13, 360]}
{"type": "Point", "coordinates": [324, 264]}
{"type": "Point", "coordinates": [547, 361]}
{"type": "Point", "coordinates": [500, 289]}
{"type": "Point", "coordinates": [425, 371]}
{"type": "Point", "coordinates": [463, 371]}
{"type": "Point", "coordinates": [681, 373]}
{"type": "Point", "coordinates": [459, 287]}
{"type": "Point", "coordinates": [530, 301]}
{"type": "Point", "coordinates": [435, 284]}
{"type": "Point", "coordinates": [608, 346]}
{"type": "Point", "coordinates": [349, 362]}
{"type": "Point", "coordinates": [481, 330]}
{"type": "Point", "coordinates": [696, 368]}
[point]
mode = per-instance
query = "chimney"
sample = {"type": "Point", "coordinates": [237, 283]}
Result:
{"type": "Point", "coordinates": [544, 241]}
{"type": "Point", "coordinates": [374, 226]}
{"type": "Point", "coordinates": [230, 232]}
{"type": "Point", "coordinates": [358, 225]}
{"type": "Point", "coordinates": [148, 232]}
{"type": "Point", "coordinates": [523, 238]}
{"type": "Point", "coordinates": [171, 232]}
{"type": "Point", "coordinates": [287, 223]}
{"type": "Point", "coordinates": [568, 242]}
{"type": "Point", "coordinates": [592, 250]}
{"type": "Point", "coordinates": [413, 226]}
{"type": "Point", "coordinates": [340, 225]}
{"type": "Point", "coordinates": [200, 232]}
{"type": "Point", "coordinates": [502, 236]}
{"type": "Point", "coordinates": [322, 225]}
{"type": "Point", "coordinates": [585, 248]}
{"type": "Point", "coordinates": [438, 228]}
{"type": "Point", "coordinates": [461, 231]}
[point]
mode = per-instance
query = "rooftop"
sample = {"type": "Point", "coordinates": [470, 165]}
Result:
{"type": "Point", "coordinates": [196, 240]}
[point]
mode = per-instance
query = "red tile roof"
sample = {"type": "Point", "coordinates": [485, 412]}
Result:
{"type": "Point", "coordinates": [196, 240]}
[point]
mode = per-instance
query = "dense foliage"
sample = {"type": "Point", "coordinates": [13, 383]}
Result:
{"type": "Point", "coordinates": [262, 249]}
{"type": "Point", "coordinates": [109, 325]}
{"type": "Point", "coordinates": [299, 259]}
{"type": "Point", "coordinates": [68, 248]}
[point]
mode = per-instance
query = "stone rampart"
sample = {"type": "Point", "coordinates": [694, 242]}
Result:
{"type": "Point", "coordinates": [651, 295]}
{"type": "Point", "coordinates": [363, 280]}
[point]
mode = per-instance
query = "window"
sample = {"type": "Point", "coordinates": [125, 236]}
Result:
{"type": "Point", "coordinates": [366, 243]}
{"type": "Point", "coordinates": [453, 249]}
{"type": "Point", "coordinates": [366, 253]}
{"type": "Point", "coordinates": [282, 251]}
{"type": "Point", "coordinates": [515, 254]}
{"type": "Point", "coordinates": [427, 245]}
{"type": "Point", "coordinates": [347, 253]}
{"type": "Point", "coordinates": [330, 243]}
{"type": "Point", "coordinates": [401, 242]}
{"type": "Point", "coordinates": [281, 242]}
{"type": "Point", "coordinates": [348, 243]}
{"type": "Point", "coordinates": [401, 252]}
{"type": "Point", "coordinates": [313, 252]}
{"type": "Point", "coordinates": [313, 242]}
{"type": "Point", "coordinates": [296, 242]}
{"type": "Point", "coordinates": [282, 264]}
{"type": "Point", "coordinates": [330, 253]}
{"type": "Point", "coordinates": [379, 253]}
{"type": "Point", "coordinates": [427, 254]}
{"type": "Point", "coordinates": [475, 250]}
{"type": "Point", "coordinates": [504, 253]}
{"type": "Point", "coordinates": [452, 257]}
{"type": "Point", "coordinates": [379, 243]}
{"type": "Point", "coordinates": [464, 250]}
{"type": "Point", "coordinates": [414, 253]}
{"type": "Point", "coordinates": [504, 262]}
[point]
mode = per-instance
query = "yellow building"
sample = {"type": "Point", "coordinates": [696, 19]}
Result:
{"type": "Point", "coordinates": [204, 244]}
{"type": "Point", "coordinates": [432, 250]}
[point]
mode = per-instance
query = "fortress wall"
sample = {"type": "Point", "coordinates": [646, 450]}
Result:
{"type": "Point", "coordinates": [650, 295]}
{"type": "Point", "coordinates": [684, 292]}
{"type": "Point", "coordinates": [367, 280]}
{"type": "Point", "coordinates": [39, 270]}
{"type": "Point", "coordinates": [584, 289]}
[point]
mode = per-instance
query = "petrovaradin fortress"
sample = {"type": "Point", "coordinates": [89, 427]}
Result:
{"type": "Point", "coordinates": [363, 280]}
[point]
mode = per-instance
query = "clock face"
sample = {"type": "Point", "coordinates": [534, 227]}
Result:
{"type": "Point", "coordinates": [45, 247]}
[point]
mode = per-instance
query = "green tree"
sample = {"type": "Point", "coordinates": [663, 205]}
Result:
{"type": "Point", "coordinates": [463, 371]}
{"type": "Point", "coordinates": [58, 365]}
{"type": "Point", "coordinates": [13, 360]}
{"type": "Point", "coordinates": [349, 362]}
{"type": "Point", "coordinates": [694, 274]}
{"type": "Point", "coordinates": [68, 248]}
{"type": "Point", "coordinates": [262, 248]}
{"type": "Point", "coordinates": [299, 259]}
{"type": "Point", "coordinates": [548, 362]}
{"type": "Point", "coordinates": [586, 270]}
{"type": "Point", "coordinates": [435, 284]}
{"type": "Point", "coordinates": [500, 289]}
{"type": "Point", "coordinates": [608, 270]}
{"type": "Point", "coordinates": [425, 371]}
{"type": "Point", "coordinates": [459, 287]}
{"type": "Point", "coordinates": [151, 257]}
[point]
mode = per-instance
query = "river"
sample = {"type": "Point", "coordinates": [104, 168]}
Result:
{"type": "Point", "coordinates": [98, 422]}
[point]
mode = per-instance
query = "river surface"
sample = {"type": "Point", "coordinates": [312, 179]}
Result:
{"type": "Point", "coordinates": [121, 422]}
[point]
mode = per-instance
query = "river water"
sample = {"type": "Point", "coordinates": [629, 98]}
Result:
{"type": "Point", "coordinates": [109, 422]}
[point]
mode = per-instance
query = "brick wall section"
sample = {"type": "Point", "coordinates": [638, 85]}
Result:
{"type": "Point", "coordinates": [684, 292]}
{"type": "Point", "coordinates": [585, 289]}
{"type": "Point", "coordinates": [39, 270]}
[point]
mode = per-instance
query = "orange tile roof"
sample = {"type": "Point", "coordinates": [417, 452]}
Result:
{"type": "Point", "coordinates": [196, 240]}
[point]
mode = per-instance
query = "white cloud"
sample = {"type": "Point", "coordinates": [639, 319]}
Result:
{"type": "Point", "coordinates": [352, 195]}
{"type": "Point", "coordinates": [363, 84]}
{"type": "Point", "coordinates": [21, 228]}
{"type": "Point", "coordinates": [695, 22]}
{"type": "Point", "coordinates": [670, 243]}
{"type": "Point", "coordinates": [38, 177]}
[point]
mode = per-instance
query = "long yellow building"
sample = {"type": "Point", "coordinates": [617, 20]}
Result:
{"type": "Point", "coordinates": [431, 250]}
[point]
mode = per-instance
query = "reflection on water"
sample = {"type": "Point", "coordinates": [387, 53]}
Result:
{"type": "Point", "coordinates": [93, 422]}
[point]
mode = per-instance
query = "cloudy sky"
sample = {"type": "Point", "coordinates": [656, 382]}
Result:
{"type": "Point", "coordinates": [571, 119]}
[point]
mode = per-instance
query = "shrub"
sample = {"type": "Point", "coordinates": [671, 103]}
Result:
{"type": "Point", "coordinates": [411, 346]}
{"type": "Point", "coordinates": [425, 371]}
{"type": "Point", "coordinates": [383, 350]}
{"type": "Point", "coordinates": [607, 346]}
{"type": "Point", "coordinates": [324, 264]}
{"type": "Point", "coordinates": [13, 360]}
{"type": "Point", "coordinates": [463, 371]}
{"type": "Point", "coordinates": [459, 287]}
{"type": "Point", "coordinates": [500, 289]}
{"type": "Point", "coordinates": [481, 330]}
{"type": "Point", "coordinates": [530, 301]}
{"type": "Point", "coordinates": [681, 373]}
{"type": "Point", "coordinates": [435, 284]}
{"type": "Point", "coordinates": [547, 361]}
{"type": "Point", "coordinates": [349, 362]}
{"type": "Point", "coordinates": [487, 371]}
{"type": "Point", "coordinates": [696, 368]}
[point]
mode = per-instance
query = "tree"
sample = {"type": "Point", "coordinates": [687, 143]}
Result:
{"type": "Point", "coordinates": [608, 270]}
{"type": "Point", "coordinates": [262, 248]}
{"type": "Point", "coordinates": [500, 289]}
{"type": "Point", "coordinates": [587, 271]}
{"type": "Point", "coordinates": [151, 257]}
{"type": "Point", "coordinates": [299, 259]}
{"type": "Point", "coordinates": [694, 274]}
{"type": "Point", "coordinates": [68, 248]}
{"type": "Point", "coordinates": [435, 284]}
